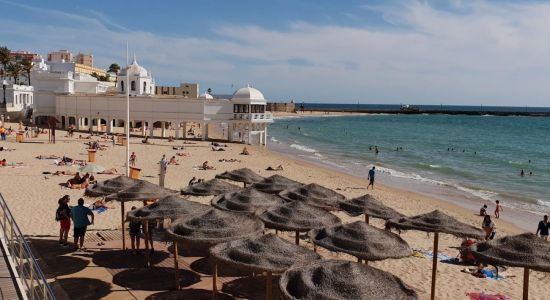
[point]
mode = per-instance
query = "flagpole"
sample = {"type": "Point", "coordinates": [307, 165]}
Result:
{"type": "Point", "coordinates": [127, 123]}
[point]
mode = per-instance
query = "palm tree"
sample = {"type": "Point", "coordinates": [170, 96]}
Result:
{"type": "Point", "coordinates": [5, 57]}
{"type": "Point", "coordinates": [209, 91]}
{"type": "Point", "coordinates": [115, 68]}
{"type": "Point", "coordinates": [27, 65]}
{"type": "Point", "coordinates": [15, 70]}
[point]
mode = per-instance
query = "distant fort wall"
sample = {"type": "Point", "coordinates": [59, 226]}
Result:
{"type": "Point", "coordinates": [289, 107]}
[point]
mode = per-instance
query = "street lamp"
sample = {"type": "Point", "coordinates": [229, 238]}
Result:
{"type": "Point", "coordinates": [4, 85]}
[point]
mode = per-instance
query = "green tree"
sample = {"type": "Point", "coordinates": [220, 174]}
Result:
{"type": "Point", "coordinates": [95, 75]}
{"type": "Point", "coordinates": [5, 58]}
{"type": "Point", "coordinates": [15, 70]}
{"type": "Point", "coordinates": [209, 91]}
{"type": "Point", "coordinates": [115, 68]}
{"type": "Point", "coordinates": [27, 65]}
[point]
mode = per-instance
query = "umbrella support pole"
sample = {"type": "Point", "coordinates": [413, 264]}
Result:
{"type": "Point", "coordinates": [146, 238]}
{"type": "Point", "coordinates": [366, 262]}
{"type": "Point", "coordinates": [367, 219]}
{"type": "Point", "coordinates": [176, 267]}
{"type": "Point", "coordinates": [215, 282]}
{"type": "Point", "coordinates": [297, 238]}
{"type": "Point", "coordinates": [525, 283]}
{"type": "Point", "coordinates": [434, 266]}
{"type": "Point", "coordinates": [268, 286]}
{"type": "Point", "coordinates": [123, 229]}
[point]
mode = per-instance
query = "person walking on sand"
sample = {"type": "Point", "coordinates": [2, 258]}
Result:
{"type": "Point", "coordinates": [370, 177]}
{"type": "Point", "coordinates": [489, 228]}
{"type": "Point", "coordinates": [163, 168]}
{"type": "Point", "coordinates": [133, 158]}
{"type": "Point", "coordinates": [63, 216]}
{"type": "Point", "coordinates": [498, 209]}
{"type": "Point", "coordinates": [134, 232]}
{"type": "Point", "coordinates": [543, 228]}
{"type": "Point", "coordinates": [80, 215]}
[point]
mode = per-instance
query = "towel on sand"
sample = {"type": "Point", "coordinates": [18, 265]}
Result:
{"type": "Point", "coordinates": [482, 296]}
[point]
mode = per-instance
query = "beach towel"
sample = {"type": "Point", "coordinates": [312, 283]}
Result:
{"type": "Point", "coordinates": [483, 296]}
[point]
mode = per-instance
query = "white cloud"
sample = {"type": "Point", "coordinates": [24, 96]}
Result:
{"type": "Point", "coordinates": [483, 54]}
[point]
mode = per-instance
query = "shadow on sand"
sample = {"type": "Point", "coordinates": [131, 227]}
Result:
{"type": "Point", "coordinates": [55, 260]}
{"type": "Point", "coordinates": [125, 259]}
{"type": "Point", "coordinates": [194, 294]}
{"type": "Point", "coordinates": [154, 278]}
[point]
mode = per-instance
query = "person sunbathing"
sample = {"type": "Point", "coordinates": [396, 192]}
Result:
{"type": "Point", "coordinates": [278, 168]}
{"type": "Point", "coordinates": [214, 148]}
{"type": "Point", "coordinates": [173, 161]}
{"type": "Point", "coordinates": [111, 171]}
{"type": "Point", "coordinates": [99, 204]}
{"type": "Point", "coordinates": [178, 148]}
{"type": "Point", "coordinates": [3, 163]}
{"type": "Point", "coordinates": [48, 157]}
{"type": "Point", "coordinates": [205, 166]}
{"type": "Point", "coordinates": [59, 173]}
{"type": "Point", "coordinates": [6, 149]}
{"type": "Point", "coordinates": [245, 151]}
{"type": "Point", "coordinates": [182, 154]}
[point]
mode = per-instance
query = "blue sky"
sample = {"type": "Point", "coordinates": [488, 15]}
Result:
{"type": "Point", "coordinates": [418, 52]}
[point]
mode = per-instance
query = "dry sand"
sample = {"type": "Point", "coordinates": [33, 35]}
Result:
{"type": "Point", "coordinates": [32, 198]}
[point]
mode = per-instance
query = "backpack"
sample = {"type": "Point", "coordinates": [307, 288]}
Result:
{"type": "Point", "coordinates": [59, 214]}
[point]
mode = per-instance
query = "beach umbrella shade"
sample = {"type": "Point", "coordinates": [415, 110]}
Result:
{"type": "Point", "coordinates": [243, 175]}
{"type": "Point", "coordinates": [297, 217]}
{"type": "Point", "coordinates": [337, 279]}
{"type": "Point", "coordinates": [525, 251]}
{"type": "Point", "coordinates": [314, 195]}
{"type": "Point", "coordinates": [110, 186]}
{"type": "Point", "coordinates": [266, 253]}
{"type": "Point", "coordinates": [361, 240]}
{"type": "Point", "coordinates": [91, 168]}
{"type": "Point", "coordinates": [370, 207]}
{"type": "Point", "coordinates": [436, 222]}
{"type": "Point", "coordinates": [169, 207]}
{"type": "Point", "coordinates": [276, 184]}
{"type": "Point", "coordinates": [247, 200]}
{"type": "Point", "coordinates": [209, 188]}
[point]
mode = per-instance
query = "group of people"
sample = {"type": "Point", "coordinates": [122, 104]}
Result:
{"type": "Point", "coordinates": [80, 215]}
{"type": "Point", "coordinates": [488, 225]}
{"type": "Point", "coordinates": [194, 180]}
{"type": "Point", "coordinates": [78, 182]}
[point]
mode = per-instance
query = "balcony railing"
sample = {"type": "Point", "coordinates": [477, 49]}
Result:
{"type": "Point", "coordinates": [253, 116]}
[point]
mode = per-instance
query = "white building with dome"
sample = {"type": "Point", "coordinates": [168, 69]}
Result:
{"type": "Point", "coordinates": [140, 81]}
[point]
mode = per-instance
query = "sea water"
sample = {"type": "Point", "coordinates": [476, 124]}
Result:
{"type": "Point", "coordinates": [477, 155]}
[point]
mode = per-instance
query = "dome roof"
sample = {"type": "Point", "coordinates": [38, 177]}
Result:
{"type": "Point", "coordinates": [206, 96]}
{"type": "Point", "coordinates": [135, 69]}
{"type": "Point", "coordinates": [248, 93]}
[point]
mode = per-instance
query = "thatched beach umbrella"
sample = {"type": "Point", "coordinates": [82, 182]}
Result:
{"type": "Point", "coordinates": [247, 200]}
{"type": "Point", "coordinates": [244, 175]}
{"type": "Point", "coordinates": [361, 240]}
{"type": "Point", "coordinates": [436, 222]}
{"type": "Point", "coordinates": [525, 251]}
{"type": "Point", "coordinates": [297, 217]}
{"type": "Point", "coordinates": [266, 253]}
{"type": "Point", "coordinates": [210, 228]}
{"type": "Point", "coordinates": [211, 187]}
{"type": "Point", "coordinates": [370, 207]}
{"type": "Point", "coordinates": [275, 184]}
{"type": "Point", "coordinates": [140, 191]}
{"type": "Point", "coordinates": [337, 279]}
{"type": "Point", "coordinates": [314, 195]}
{"type": "Point", "coordinates": [110, 186]}
{"type": "Point", "coordinates": [169, 207]}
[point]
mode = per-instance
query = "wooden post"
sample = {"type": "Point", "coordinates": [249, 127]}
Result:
{"type": "Point", "coordinates": [215, 282]}
{"type": "Point", "coordinates": [146, 238]}
{"type": "Point", "coordinates": [176, 268]}
{"type": "Point", "coordinates": [366, 218]}
{"type": "Point", "coordinates": [268, 286]}
{"type": "Point", "coordinates": [525, 283]}
{"type": "Point", "coordinates": [366, 262]}
{"type": "Point", "coordinates": [434, 266]}
{"type": "Point", "coordinates": [122, 217]}
{"type": "Point", "coordinates": [297, 238]}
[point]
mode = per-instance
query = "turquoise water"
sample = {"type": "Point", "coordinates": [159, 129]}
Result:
{"type": "Point", "coordinates": [489, 152]}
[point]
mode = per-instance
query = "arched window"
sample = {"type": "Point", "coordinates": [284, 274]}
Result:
{"type": "Point", "coordinates": [144, 87]}
{"type": "Point", "coordinates": [133, 85]}
{"type": "Point", "coordinates": [122, 85]}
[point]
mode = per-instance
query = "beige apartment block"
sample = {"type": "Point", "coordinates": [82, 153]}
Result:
{"type": "Point", "coordinates": [188, 90]}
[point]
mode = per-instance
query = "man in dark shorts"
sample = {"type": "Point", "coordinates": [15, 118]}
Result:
{"type": "Point", "coordinates": [135, 232]}
{"type": "Point", "coordinates": [543, 228]}
{"type": "Point", "coordinates": [370, 177]}
{"type": "Point", "coordinates": [80, 215]}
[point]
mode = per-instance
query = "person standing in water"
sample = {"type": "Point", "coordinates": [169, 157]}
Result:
{"type": "Point", "coordinates": [370, 177]}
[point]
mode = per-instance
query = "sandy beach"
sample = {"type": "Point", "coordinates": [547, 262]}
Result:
{"type": "Point", "coordinates": [32, 197]}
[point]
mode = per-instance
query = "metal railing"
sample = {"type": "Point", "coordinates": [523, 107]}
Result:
{"type": "Point", "coordinates": [31, 280]}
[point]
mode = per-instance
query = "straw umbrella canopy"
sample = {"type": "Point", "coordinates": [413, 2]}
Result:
{"type": "Point", "coordinates": [370, 207]}
{"type": "Point", "coordinates": [525, 251]}
{"type": "Point", "coordinates": [297, 216]}
{"type": "Point", "coordinates": [314, 195]}
{"type": "Point", "coordinates": [436, 222]}
{"type": "Point", "coordinates": [244, 175]}
{"type": "Point", "coordinates": [169, 207]}
{"type": "Point", "coordinates": [337, 279]}
{"type": "Point", "coordinates": [275, 184]}
{"type": "Point", "coordinates": [211, 187]}
{"type": "Point", "coordinates": [110, 186]}
{"type": "Point", "coordinates": [247, 200]}
{"type": "Point", "coordinates": [266, 253]}
{"type": "Point", "coordinates": [361, 240]}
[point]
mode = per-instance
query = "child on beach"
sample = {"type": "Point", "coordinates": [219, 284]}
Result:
{"type": "Point", "coordinates": [498, 209]}
{"type": "Point", "coordinates": [483, 210]}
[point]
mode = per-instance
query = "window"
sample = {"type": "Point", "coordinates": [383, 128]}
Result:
{"type": "Point", "coordinates": [122, 85]}
{"type": "Point", "coordinates": [133, 85]}
{"type": "Point", "coordinates": [144, 87]}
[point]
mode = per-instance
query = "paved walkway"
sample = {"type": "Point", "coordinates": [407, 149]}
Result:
{"type": "Point", "coordinates": [8, 285]}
